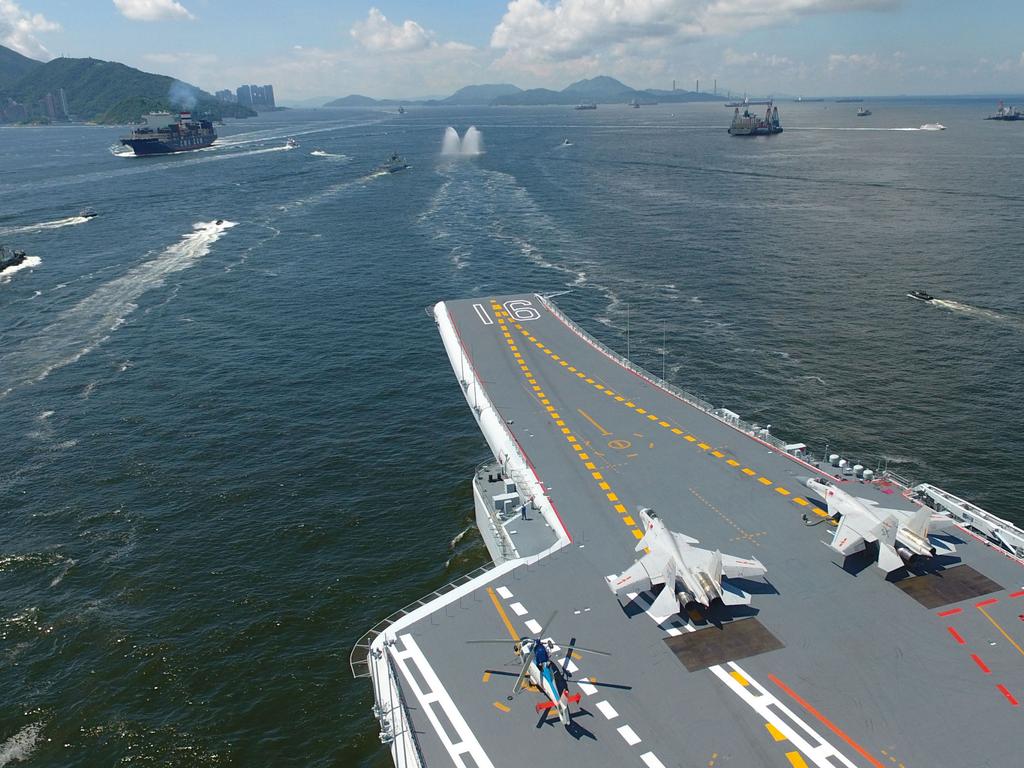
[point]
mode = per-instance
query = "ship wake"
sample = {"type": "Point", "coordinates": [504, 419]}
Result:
{"type": "Point", "coordinates": [79, 330]}
{"type": "Point", "coordinates": [980, 313]}
{"type": "Point", "coordinates": [42, 226]}
{"type": "Point", "coordinates": [28, 263]}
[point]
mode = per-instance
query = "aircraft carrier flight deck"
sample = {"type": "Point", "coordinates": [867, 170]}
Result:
{"type": "Point", "coordinates": [831, 664]}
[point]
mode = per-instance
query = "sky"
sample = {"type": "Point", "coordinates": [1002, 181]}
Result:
{"type": "Point", "coordinates": [314, 50]}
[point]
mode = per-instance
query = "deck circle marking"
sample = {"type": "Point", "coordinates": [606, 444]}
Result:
{"type": "Point", "coordinates": [619, 444]}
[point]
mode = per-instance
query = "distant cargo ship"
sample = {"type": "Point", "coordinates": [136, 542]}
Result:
{"type": "Point", "coordinates": [1006, 113]}
{"type": "Point", "coordinates": [164, 133]}
{"type": "Point", "coordinates": [749, 124]}
{"type": "Point", "coordinates": [586, 106]}
{"type": "Point", "coordinates": [749, 102]}
{"type": "Point", "coordinates": [849, 101]}
{"type": "Point", "coordinates": [804, 99]}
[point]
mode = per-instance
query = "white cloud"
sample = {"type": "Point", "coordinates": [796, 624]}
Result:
{"type": "Point", "coordinates": [19, 28]}
{"type": "Point", "coordinates": [153, 10]}
{"type": "Point", "coordinates": [745, 59]}
{"type": "Point", "coordinates": [531, 29]}
{"type": "Point", "coordinates": [376, 33]}
{"type": "Point", "coordinates": [843, 62]}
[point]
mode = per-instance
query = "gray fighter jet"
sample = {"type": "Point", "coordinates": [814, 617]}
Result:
{"type": "Point", "coordinates": [692, 576]}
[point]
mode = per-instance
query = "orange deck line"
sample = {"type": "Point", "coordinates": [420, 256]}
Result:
{"type": "Point", "coordinates": [827, 723]}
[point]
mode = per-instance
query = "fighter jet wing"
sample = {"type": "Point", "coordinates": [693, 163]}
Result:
{"type": "Point", "coordinates": [847, 539]}
{"type": "Point", "coordinates": [738, 567]}
{"type": "Point", "coordinates": [640, 576]}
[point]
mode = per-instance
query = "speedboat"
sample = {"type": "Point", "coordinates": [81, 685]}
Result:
{"type": "Point", "coordinates": [291, 144]}
{"type": "Point", "coordinates": [566, 143]}
{"type": "Point", "coordinates": [88, 213]}
{"type": "Point", "coordinates": [920, 295]}
{"type": "Point", "coordinates": [11, 258]}
{"type": "Point", "coordinates": [861, 112]}
{"type": "Point", "coordinates": [393, 164]}
{"type": "Point", "coordinates": [933, 127]}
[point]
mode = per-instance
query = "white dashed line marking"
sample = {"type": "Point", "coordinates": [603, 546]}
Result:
{"type": "Point", "coordinates": [607, 710]}
{"type": "Point", "coordinates": [586, 687]}
{"type": "Point", "coordinates": [651, 760]}
{"type": "Point", "coordinates": [534, 626]}
{"type": "Point", "coordinates": [629, 735]}
{"type": "Point", "coordinates": [518, 608]}
{"type": "Point", "coordinates": [571, 667]}
{"type": "Point", "coordinates": [505, 592]}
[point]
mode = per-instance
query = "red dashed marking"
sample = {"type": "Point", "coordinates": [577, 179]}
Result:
{"type": "Point", "coordinates": [1018, 594]}
{"type": "Point", "coordinates": [981, 664]}
{"type": "Point", "coordinates": [951, 612]}
{"type": "Point", "coordinates": [983, 603]}
{"type": "Point", "coordinates": [956, 636]}
{"type": "Point", "coordinates": [1008, 695]}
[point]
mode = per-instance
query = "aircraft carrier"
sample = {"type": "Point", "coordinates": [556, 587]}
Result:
{"type": "Point", "coordinates": [833, 663]}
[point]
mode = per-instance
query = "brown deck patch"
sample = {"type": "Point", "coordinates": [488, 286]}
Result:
{"type": "Point", "coordinates": [735, 640]}
{"type": "Point", "coordinates": [934, 590]}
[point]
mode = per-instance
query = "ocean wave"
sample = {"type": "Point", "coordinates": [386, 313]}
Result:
{"type": "Point", "coordinates": [28, 263]}
{"type": "Point", "coordinates": [21, 745]}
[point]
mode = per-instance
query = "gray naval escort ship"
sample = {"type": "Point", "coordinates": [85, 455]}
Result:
{"type": "Point", "coordinates": [865, 620]}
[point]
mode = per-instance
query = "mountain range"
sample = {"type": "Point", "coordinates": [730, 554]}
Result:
{"type": "Point", "coordinates": [102, 91]}
{"type": "Point", "coordinates": [599, 90]}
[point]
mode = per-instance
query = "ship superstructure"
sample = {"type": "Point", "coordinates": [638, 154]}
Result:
{"type": "Point", "coordinates": [833, 664]}
{"type": "Point", "coordinates": [1006, 112]}
{"type": "Point", "coordinates": [164, 133]}
{"type": "Point", "coordinates": [749, 124]}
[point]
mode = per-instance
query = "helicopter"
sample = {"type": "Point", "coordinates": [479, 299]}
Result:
{"type": "Point", "coordinates": [547, 674]}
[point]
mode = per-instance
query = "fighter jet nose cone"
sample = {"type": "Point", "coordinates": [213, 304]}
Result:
{"type": "Point", "coordinates": [807, 481]}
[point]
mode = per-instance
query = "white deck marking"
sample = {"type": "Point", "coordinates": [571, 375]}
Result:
{"type": "Point", "coordinates": [505, 592]}
{"type": "Point", "coordinates": [482, 314]}
{"type": "Point", "coordinates": [651, 760]}
{"type": "Point", "coordinates": [436, 692]}
{"type": "Point", "coordinates": [629, 735]}
{"type": "Point", "coordinates": [518, 609]}
{"type": "Point", "coordinates": [534, 626]}
{"type": "Point", "coordinates": [586, 687]}
{"type": "Point", "coordinates": [765, 704]}
{"type": "Point", "coordinates": [571, 667]}
{"type": "Point", "coordinates": [607, 710]}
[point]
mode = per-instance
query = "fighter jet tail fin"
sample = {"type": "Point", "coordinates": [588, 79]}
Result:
{"type": "Point", "coordinates": [919, 522]}
{"type": "Point", "coordinates": [715, 570]}
{"type": "Point", "coordinates": [667, 603]}
{"type": "Point", "coordinates": [888, 559]}
{"type": "Point", "coordinates": [733, 595]}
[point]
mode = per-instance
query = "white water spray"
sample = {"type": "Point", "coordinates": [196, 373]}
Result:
{"type": "Point", "coordinates": [470, 145]}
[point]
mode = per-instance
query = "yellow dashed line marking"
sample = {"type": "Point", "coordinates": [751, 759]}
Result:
{"type": "Point", "coordinates": [604, 486]}
{"type": "Point", "coordinates": [585, 456]}
{"type": "Point", "coordinates": [677, 431]}
{"type": "Point", "coordinates": [739, 678]}
{"type": "Point", "coordinates": [620, 509]}
{"type": "Point", "coordinates": [776, 734]}
{"type": "Point", "coordinates": [652, 417]}
{"type": "Point", "coordinates": [782, 490]}
{"type": "Point", "coordinates": [764, 481]}
{"type": "Point", "coordinates": [748, 471]}
{"type": "Point", "coordinates": [703, 446]}
{"type": "Point", "coordinates": [796, 760]}
{"type": "Point", "coordinates": [640, 410]}
{"type": "Point", "coordinates": [638, 533]}
{"type": "Point", "coordinates": [628, 520]}
{"type": "Point", "coordinates": [690, 438]}
{"type": "Point", "coordinates": [801, 502]}
{"type": "Point", "coordinates": [732, 462]}
{"type": "Point", "coordinates": [502, 707]}
{"type": "Point", "coordinates": [612, 496]}
{"type": "Point", "coordinates": [664, 424]}
{"type": "Point", "coordinates": [487, 676]}
{"type": "Point", "coordinates": [597, 475]}
{"type": "Point", "coordinates": [718, 454]}
{"type": "Point", "coordinates": [620, 398]}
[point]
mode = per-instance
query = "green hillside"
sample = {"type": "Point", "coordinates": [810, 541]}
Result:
{"type": "Point", "coordinates": [105, 91]}
{"type": "Point", "coordinates": [13, 67]}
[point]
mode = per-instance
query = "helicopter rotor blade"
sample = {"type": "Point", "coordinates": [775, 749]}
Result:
{"type": "Point", "coordinates": [506, 641]}
{"type": "Point", "coordinates": [546, 624]}
{"type": "Point", "coordinates": [568, 656]}
{"type": "Point", "coordinates": [581, 649]}
{"type": "Point", "coordinates": [522, 675]}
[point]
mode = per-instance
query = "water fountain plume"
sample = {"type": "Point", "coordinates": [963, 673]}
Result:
{"type": "Point", "coordinates": [451, 144]}
{"type": "Point", "coordinates": [469, 146]}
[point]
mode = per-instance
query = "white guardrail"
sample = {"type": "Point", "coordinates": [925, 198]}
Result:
{"type": "Point", "coordinates": [999, 532]}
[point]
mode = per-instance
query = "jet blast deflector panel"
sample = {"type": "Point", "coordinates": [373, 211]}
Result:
{"type": "Point", "coordinates": [934, 590]}
{"type": "Point", "coordinates": [717, 645]}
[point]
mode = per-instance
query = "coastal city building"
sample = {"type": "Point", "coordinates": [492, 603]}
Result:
{"type": "Point", "coordinates": [255, 96]}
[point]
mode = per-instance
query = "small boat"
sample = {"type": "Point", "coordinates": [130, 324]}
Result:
{"type": "Point", "coordinates": [401, 110]}
{"type": "Point", "coordinates": [291, 144]}
{"type": "Point", "coordinates": [861, 112]}
{"type": "Point", "coordinates": [920, 295]}
{"type": "Point", "coordinates": [591, 105]}
{"type": "Point", "coordinates": [11, 258]}
{"type": "Point", "coordinates": [219, 222]}
{"type": "Point", "coordinates": [933, 127]}
{"type": "Point", "coordinates": [634, 104]}
{"type": "Point", "coordinates": [88, 213]}
{"type": "Point", "coordinates": [393, 164]}
{"type": "Point", "coordinates": [566, 143]}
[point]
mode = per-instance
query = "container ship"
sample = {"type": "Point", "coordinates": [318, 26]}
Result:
{"type": "Point", "coordinates": [886, 633]}
{"type": "Point", "coordinates": [749, 124]}
{"type": "Point", "coordinates": [164, 133]}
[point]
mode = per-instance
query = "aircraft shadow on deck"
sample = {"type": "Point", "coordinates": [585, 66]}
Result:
{"type": "Point", "coordinates": [717, 615]}
{"type": "Point", "coordinates": [858, 562]}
